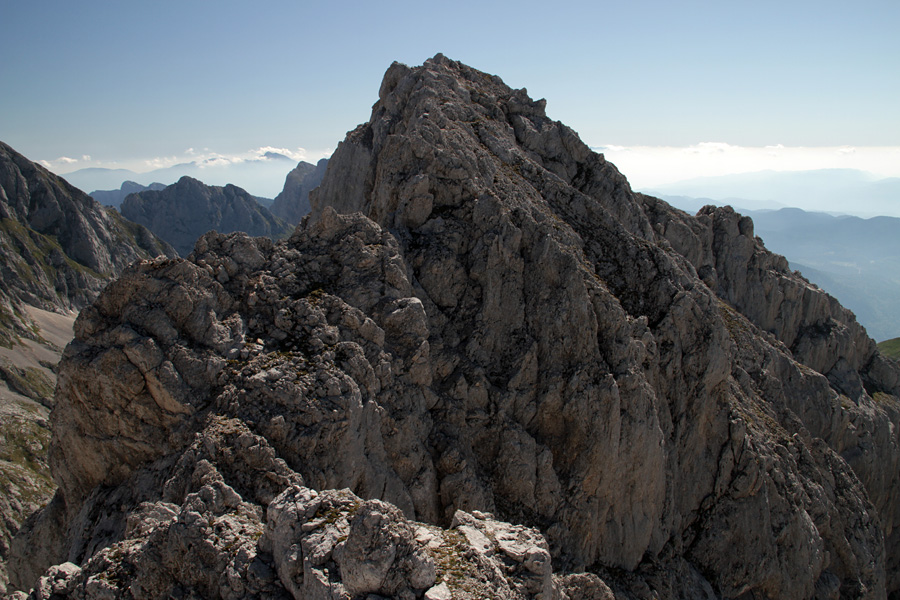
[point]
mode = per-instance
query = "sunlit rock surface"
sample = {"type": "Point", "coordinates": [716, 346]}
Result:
{"type": "Point", "coordinates": [529, 381]}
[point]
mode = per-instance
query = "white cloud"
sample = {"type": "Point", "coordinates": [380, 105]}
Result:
{"type": "Point", "coordinates": [710, 148]}
{"type": "Point", "coordinates": [159, 162]}
{"type": "Point", "coordinates": [62, 163]}
{"type": "Point", "coordinates": [297, 154]}
{"type": "Point", "coordinates": [648, 166]}
{"type": "Point", "coordinates": [205, 158]}
{"type": "Point", "coordinates": [219, 161]}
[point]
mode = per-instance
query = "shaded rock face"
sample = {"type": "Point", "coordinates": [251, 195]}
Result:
{"type": "Point", "coordinates": [292, 204]}
{"type": "Point", "coordinates": [187, 209]}
{"type": "Point", "coordinates": [25, 483]}
{"type": "Point", "coordinates": [58, 247]}
{"type": "Point", "coordinates": [496, 346]}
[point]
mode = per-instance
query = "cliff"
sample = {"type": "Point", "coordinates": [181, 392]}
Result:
{"type": "Point", "coordinates": [187, 209]}
{"type": "Point", "coordinates": [292, 204]}
{"type": "Point", "coordinates": [58, 249]}
{"type": "Point", "coordinates": [531, 382]}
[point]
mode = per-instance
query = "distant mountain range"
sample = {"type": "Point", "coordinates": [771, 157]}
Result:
{"type": "Point", "coordinates": [855, 260]}
{"type": "Point", "coordinates": [184, 211]}
{"type": "Point", "coordinates": [261, 177]}
{"type": "Point", "coordinates": [115, 197]}
{"type": "Point", "coordinates": [844, 191]}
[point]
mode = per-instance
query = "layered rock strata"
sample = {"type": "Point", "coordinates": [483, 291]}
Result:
{"type": "Point", "coordinates": [479, 318]}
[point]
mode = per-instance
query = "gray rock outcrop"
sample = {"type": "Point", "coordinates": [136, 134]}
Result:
{"type": "Point", "coordinates": [58, 249]}
{"type": "Point", "coordinates": [532, 382]}
{"type": "Point", "coordinates": [292, 204]}
{"type": "Point", "coordinates": [187, 209]}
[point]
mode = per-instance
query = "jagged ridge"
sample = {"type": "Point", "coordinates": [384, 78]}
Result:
{"type": "Point", "coordinates": [188, 208]}
{"type": "Point", "coordinates": [505, 328]}
{"type": "Point", "coordinates": [60, 247]}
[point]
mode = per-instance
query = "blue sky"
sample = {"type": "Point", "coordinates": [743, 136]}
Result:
{"type": "Point", "coordinates": [132, 82]}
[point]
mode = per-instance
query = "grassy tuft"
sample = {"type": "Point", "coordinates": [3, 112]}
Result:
{"type": "Point", "coordinates": [890, 348]}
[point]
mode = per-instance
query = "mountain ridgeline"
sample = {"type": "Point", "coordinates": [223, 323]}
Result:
{"type": "Point", "coordinates": [59, 247]}
{"type": "Point", "coordinates": [115, 197]}
{"type": "Point", "coordinates": [187, 209]}
{"type": "Point", "coordinates": [292, 204]}
{"type": "Point", "coordinates": [854, 259]}
{"type": "Point", "coordinates": [482, 367]}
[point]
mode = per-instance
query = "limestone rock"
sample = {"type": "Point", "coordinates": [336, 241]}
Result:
{"type": "Point", "coordinates": [206, 534]}
{"type": "Point", "coordinates": [516, 367]}
{"type": "Point", "coordinates": [292, 204]}
{"type": "Point", "coordinates": [58, 247]}
{"type": "Point", "coordinates": [25, 483]}
{"type": "Point", "coordinates": [187, 209]}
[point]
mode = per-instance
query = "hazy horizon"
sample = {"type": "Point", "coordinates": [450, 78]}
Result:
{"type": "Point", "coordinates": [666, 89]}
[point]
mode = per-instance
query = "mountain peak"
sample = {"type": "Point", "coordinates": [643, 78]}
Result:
{"type": "Point", "coordinates": [185, 210]}
{"type": "Point", "coordinates": [479, 321]}
{"type": "Point", "coordinates": [462, 132]}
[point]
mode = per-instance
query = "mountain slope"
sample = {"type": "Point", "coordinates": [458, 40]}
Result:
{"type": "Point", "coordinates": [479, 321]}
{"type": "Point", "coordinates": [185, 210]}
{"type": "Point", "coordinates": [292, 204]}
{"type": "Point", "coordinates": [890, 348]}
{"type": "Point", "coordinates": [58, 249]}
{"type": "Point", "coordinates": [856, 260]}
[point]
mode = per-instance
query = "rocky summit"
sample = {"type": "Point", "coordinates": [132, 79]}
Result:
{"type": "Point", "coordinates": [482, 367]}
{"type": "Point", "coordinates": [188, 208]}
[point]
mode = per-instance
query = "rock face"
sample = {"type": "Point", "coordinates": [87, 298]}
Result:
{"type": "Point", "coordinates": [187, 209]}
{"type": "Point", "coordinates": [292, 204]}
{"type": "Point", "coordinates": [533, 382]}
{"type": "Point", "coordinates": [115, 197]}
{"type": "Point", "coordinates": [58, 247]}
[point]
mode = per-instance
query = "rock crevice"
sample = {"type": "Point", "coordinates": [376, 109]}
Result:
{"type": "Point", "coordinates": [478, 323]}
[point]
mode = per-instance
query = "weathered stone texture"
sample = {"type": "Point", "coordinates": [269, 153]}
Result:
{"type": "Point", "coordinates": [514, 367]}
